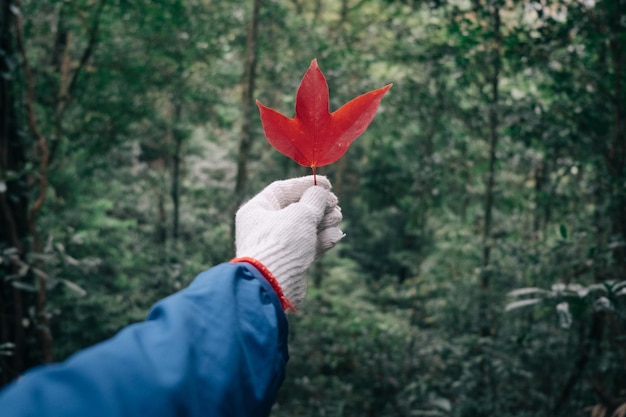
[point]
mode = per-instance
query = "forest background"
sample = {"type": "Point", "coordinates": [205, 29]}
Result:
{"type": "Point", "coordinates": [484, 267]}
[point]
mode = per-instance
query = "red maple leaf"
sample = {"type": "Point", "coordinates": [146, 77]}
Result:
{"type": "Point", "coordinates": [315, 137]}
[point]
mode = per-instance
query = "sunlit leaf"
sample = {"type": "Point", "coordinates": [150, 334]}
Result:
{"type": "Point", "coordinates": [565, 317]}
{"type": "Point", "coordinates": [526, 291]}
{"type": "Point", "coordinates": [74, 287]}
{"type": "Point", "coordinates": [522, 303]}
{"type": "Point", "coordinates": [23, 286]}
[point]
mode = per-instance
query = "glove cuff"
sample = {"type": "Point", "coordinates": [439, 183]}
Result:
{"type": "Point", "coordinates": [271, 279]}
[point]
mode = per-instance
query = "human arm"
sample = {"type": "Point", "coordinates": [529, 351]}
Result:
{"type": "Point", "coordinates": [217, 348]}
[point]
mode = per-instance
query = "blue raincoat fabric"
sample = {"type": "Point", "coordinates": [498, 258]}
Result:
{"type": "Point", "coordinates": [217, 348]}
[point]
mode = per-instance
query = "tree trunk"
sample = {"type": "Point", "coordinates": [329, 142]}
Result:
{"type": "Point", "coordinates": [13, 202]}
{"type": "Point", "coordinates": [247, 106]}
{"type": "Point", "coordinates": [616, 156]}
{"type": "Point", "coordinates": [177, 135]}
{"type": "Point", "coordinates": [487, 386]}
{"type": "Point", "coordinates": [41, 159]}
{"type": "Point", "coordinates": [484, 315]}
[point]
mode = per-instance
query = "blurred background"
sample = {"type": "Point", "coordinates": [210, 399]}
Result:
{"type": "Point", "coordinates": [484, 268]}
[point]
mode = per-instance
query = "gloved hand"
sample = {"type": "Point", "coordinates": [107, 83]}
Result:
{"type": "Point", "coordinates": [286, 227]}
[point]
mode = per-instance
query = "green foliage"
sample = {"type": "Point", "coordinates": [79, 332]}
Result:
{"type": "Point", "coordinates": [399, 321]}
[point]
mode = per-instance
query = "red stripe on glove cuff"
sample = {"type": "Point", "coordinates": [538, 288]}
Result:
{"type": "Point", "coordinates": [284, 302]}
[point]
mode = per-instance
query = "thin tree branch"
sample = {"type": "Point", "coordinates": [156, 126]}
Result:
{"type": "Point", "coordinates": [66, 89]}
{"type": "Point", "coordinates": [93, 40]}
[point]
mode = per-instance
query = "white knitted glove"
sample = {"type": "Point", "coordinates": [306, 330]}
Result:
{"type": "Point", "coordinates": [286, 227]}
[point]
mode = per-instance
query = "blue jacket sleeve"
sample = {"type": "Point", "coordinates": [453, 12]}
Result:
{"type": "Point", "coordinates": [216, 348]}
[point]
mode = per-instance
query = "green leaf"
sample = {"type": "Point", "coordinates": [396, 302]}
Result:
{"type": "Point", "coordinates": [618, 286]}
{"type": "Point", "coordinates": [442, 403]}
{"type": "Point", "coordinates": [565, 317]}
{"type": "Point", "coordinates": [74, 287]}
{"type": "Point", "coordinates": [23, 286]}
{"type": "Point", "coordinates": [522, 303]}
{"type": "Point", "coordinates": [526, 291]}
